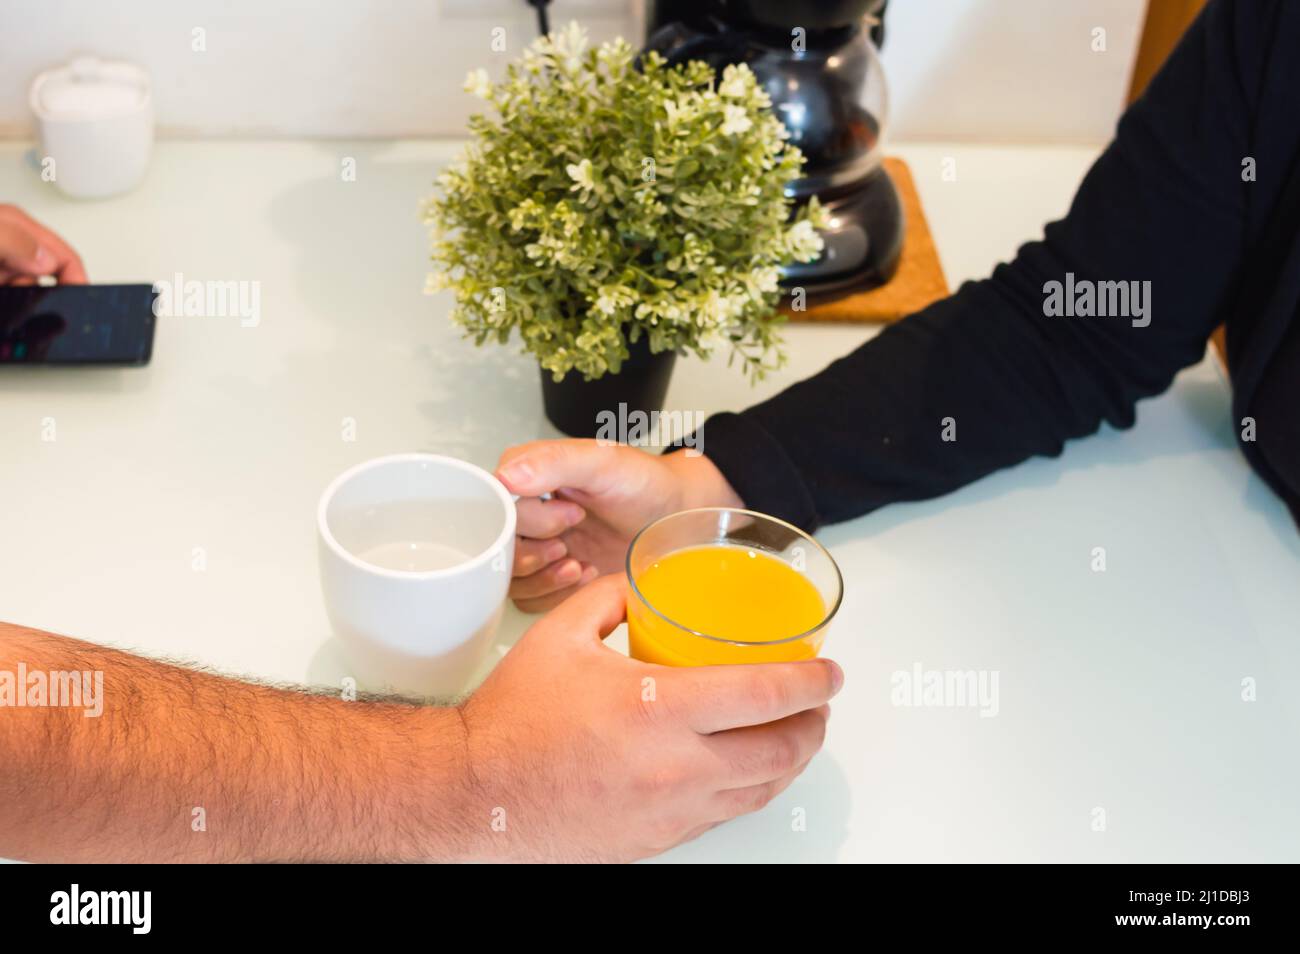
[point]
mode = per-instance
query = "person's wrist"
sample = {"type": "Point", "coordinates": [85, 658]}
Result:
{"type": "Point", "coordinates": [436, 790]}
{"type": "Point", "coordinates": [700, 482]}
{"type": "Point", "coordinates": [490, 777]}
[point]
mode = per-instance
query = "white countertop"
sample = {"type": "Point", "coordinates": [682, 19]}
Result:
{"type": "Point", "coordinates": [1118, 690]}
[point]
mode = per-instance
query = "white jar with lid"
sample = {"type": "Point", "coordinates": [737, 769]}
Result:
{"type": "Point", "coordinates": [96, 124]}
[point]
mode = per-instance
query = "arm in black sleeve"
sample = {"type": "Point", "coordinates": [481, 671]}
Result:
{"type": "Point", "coordinates": [1165, 203]}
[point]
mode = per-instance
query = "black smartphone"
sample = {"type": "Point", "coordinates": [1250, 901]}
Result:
{"type": "Point", "coordinates": [76, 324]}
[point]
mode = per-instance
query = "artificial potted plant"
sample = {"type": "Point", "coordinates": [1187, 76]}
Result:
{"type": "Point", "coordinates": [615, 212]}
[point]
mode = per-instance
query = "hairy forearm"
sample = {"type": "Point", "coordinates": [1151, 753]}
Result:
{"type": "Point", "coordinates": [186, 766]}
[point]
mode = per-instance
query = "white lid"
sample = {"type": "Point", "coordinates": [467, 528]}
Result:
{"type": "Point", "coordinates": [90, 88]}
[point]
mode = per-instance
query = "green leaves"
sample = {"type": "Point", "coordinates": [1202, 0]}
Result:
{"type": "Point", "coordinates": [602, 202]}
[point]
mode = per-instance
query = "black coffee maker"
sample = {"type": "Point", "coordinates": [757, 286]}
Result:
{"type": "Point", "coordinates": [817, 60]}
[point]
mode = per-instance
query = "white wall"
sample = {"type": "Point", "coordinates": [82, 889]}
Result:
{"type": "Point", "coordinates": [1009, 70]}
{"type": "Point", "coordinates": [969, 69]}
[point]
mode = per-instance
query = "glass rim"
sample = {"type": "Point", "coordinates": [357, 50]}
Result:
{"type": "Point", "coordinates": [830, 613]}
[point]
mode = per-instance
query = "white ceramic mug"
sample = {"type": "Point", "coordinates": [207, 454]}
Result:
{"type": "Point", "coordinates": [416, 552]}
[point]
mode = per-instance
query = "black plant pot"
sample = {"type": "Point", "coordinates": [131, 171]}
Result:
{"type": "Point", "coordinates": [574, 405]}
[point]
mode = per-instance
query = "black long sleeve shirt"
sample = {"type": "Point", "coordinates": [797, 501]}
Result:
{"type": "Point", "coordinates": [1198, 194]}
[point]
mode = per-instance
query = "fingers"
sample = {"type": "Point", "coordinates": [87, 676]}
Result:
{"type": "Point", "coordinates": [550, 586]}
{"type": "Point", "coordinates": [73, 272]}
{"type": "Point", "coordinates": [742, 801]}
{"type": "Point", "coordinates": [68, 268]}
{"type": "Point", "coordinates": [600, 606]}
{"type": "Point", "coordinates": [546, 518]}
{"type": "Point", "coordinates": [41, 251]}
{"type": "Point", "coordinates": [697, 831]}
{"type": "Point", "coordinates": [715, 698]}
{"type": "Point", "coordinates": [533, 555]}
{"type": "Point", "coordinates": [542, 577]}
{"type": "Point", "coordinates": [542, 467]}
{"type": "Point", "coordinates": [21, 253]}
{"type": "Point", "coordinates": [557, 576]}
{"type": "Point", "coordinates": [544, 604]}
{"type": "Point", "coordinates": [755, 755]}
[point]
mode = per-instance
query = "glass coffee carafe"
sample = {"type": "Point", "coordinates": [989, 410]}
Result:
{"type": "Point", "coordinates": [818, 61]}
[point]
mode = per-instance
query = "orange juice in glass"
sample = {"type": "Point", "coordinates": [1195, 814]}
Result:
{"type": "Point", "coordinates": [720, 585]}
